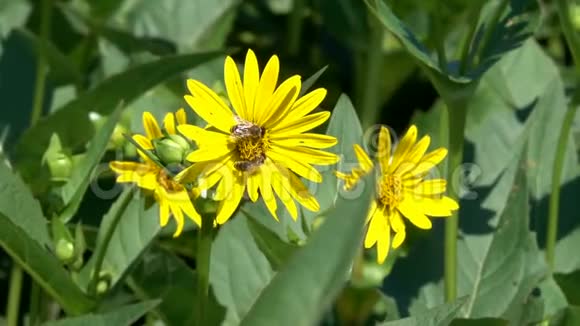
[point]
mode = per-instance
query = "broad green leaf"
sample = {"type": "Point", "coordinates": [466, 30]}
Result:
{"type": "Point", "coordinates": [439, 316]}
{"type": "Point", "coordinates": [73, 191]}
{"type": "Point", "coordinates": [124, 316]}
{"type": "Point", "coordinates": [480, 322]}
{"type": "Point", "coordinates": [567, 260]}
{"type": "Point", "coordinates": [191, 25]}
{"type": "Point", "coordinates": [308, 83]}
{"type": "Point", "coordinates": [570, 284]}
{"type": "Point", "coordinates": [138, 227]}
{"type": "Point", "coordinates": [345, 126]}
{"type": "Point", "coordinates": [572, 316]}
{"type": "Point", "coordinates": [162, 275]}
{"type": "Point", "coordinates": [307, 284]}
{"type": "Point", "coordinates": [13, 13]}
{"type": "Point", "coordinates": [239, 270]}
{"type": "Point", "coordinates": [72, 122]}
{"type": "Point", "coordinates": [24, 236]}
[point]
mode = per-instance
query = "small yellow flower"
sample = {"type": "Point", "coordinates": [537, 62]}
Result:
{"type": "Point", "coordinates": [172, 197]}
{"type": "Point", "coordinates": [401, 189]}
{"type": "Point", "coordinates": [262, 145]}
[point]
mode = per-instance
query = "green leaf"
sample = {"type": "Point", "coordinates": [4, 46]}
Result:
{"type": "Point", "coordinates": [136, 230]}
{"type": "Point", "coordinates": [13, 13]}
{"type": "Point", "coordinates": [308, 83]}
{"type": "Point", "coordinates": [163, 275]}
{"type": "Point", "coordinates": [276, 250]}
{"type": "Point", "coordinates": [124, 316]}
{"type": "Point", "coordinates": [72, 122]}
{"type": "Point", "coordinates": [24, 236]}
{"type": "Point", "coordinates": [480, 322]}
{"type": "Point", "coordinates": [73, 191]}
{"type": "Point", "coordinates": [570, 284]}
{"type": "Point", "coordinates": [191, 25]}
{"type": "Point", "coordinates": [307, 284]}
{"type": "Point", "coordinates": [438, 316]}
{"type": "Point", "coordinates": [572, 316]}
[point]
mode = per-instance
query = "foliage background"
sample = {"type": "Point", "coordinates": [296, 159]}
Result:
{"type": "Point", "coordinates": [99, 52]}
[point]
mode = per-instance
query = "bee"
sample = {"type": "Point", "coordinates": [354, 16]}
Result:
{"type": "Point", "coordinates": [245, 129]}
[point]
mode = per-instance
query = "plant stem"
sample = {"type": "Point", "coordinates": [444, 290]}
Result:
{"type": "Point", "coordinates": [557, 169]}
{"type": "Point", "coordinates": [371, 95]}
{"type": "Point", "coordinates": [101, 250]}
{"type": "Point", "coordinates": [467, 42]}
{"type": "Point", "coordinates": [295, 27]}
{"type": "Point", "coordinates": [572, 38]}
{"type": "Point", "coordinates": [205, 238]}
{"type": "Point", "coordinates": [13, 306]}
{"type": "Point", "coordinates": [440, 44]}
{"type": "Point", "coordinates": [42, 66]}
{"type": "Point", "coordinates": [34, 312]}
{"type": "Point", "coordinates": [457, 114]}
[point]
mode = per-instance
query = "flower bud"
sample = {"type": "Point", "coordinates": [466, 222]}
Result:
{"type": "Point", "coordinates": [60, 166]}
{"type": "Point", "coordinates": [171, 149]}
{"type": "Point", "coordinates": [102, 287]}
{"type": "Point", "coordinates": [65, 251]}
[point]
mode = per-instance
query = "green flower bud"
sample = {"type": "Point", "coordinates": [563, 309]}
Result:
{"type": "Point", "coordinates": [65, 251]}
{"type": "Point", "coordinates": [117, 139]}
{"type": "Point", "coordinates": [171, 149]}
{"type": "Point", "coordinates": [102, 287]}
{"type": "Point", "coordinates": [60, 166]}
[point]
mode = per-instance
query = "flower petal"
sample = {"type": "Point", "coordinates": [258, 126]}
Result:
{"type": "Point", "coordinates": [364, 161]}
{"type": "Point", "coordinates": [151, 127]}
{"type": "Point", "coordinates": [205, 154]}
{"type": "Point", "coordinates": [178, 217]}
{"type": "Point", "coordinates": [209, 106]}
{"type": "Point", "coordinates": [430, 187]}
{"type": "Point", "coordinates": [384, 155]}
{"type": "Point", "coordinates": [307, 155]}
{"type": "Point", "coordinates": [181, 116]}
{"type": "Point", "coordinates": [413, 212]}
{"type": "Point", "coordinates": [308, 140]}
{"type": "Point", "coordinates": [163, 211]}
{"type": "Point", "coordinates": [304, 170]}
{"type": "Point", "coordinates": [403, 148]}
{"type": "Point", "coordinates": [273, 181]}
{"type": "Point", "coordinates": [228, 206]}
{"type": "Point", "coordinates": [169, 123]}
{"type": "Point", "coordinates": [298, 126]}
{"type": "Point", "coordinates": [414, 156]}
{"type": "Point", "coordinates": [281, 101]}
{"type": "Point", "coordinates": [251, 82]}
{"type": "Point", "coordinates": [307, 103]}
{"type": "Point", "coordinates": [268, 82]}
{"type": "Point", "coordinates": [253, 183]}
{"type": "Point", "coordinates": [398, 227]}
{"type": "Point", "coordinates": [143, 141]}
{"type": "Point", "coordinates": [235, 88]}
{"type": "Point", "coordinates": [428, 162]}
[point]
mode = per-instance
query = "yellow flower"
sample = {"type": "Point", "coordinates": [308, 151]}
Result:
{"type": "Point", "coordinates": [172, 197]}
{"type": "Point", "coordinates": [261, 145]}
{"type": "Point", "coordinates": [402, 190]}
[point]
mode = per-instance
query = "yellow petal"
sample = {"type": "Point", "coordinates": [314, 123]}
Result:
{"type": "Point", "coordinates": [234, 87]}
{"type": "Point", "coordinates": [305, 123]}
{"type": "Point", "coordinates": [229, 205]}
{"type": "Point", "coordinates": [384, 149]}
{"type": "Point", "coordinates": [307, 155]}
{"type": "Point", "coordinates": [202, 136]}
{"type": "Point", "coordinates": [208, 153]}
{"type": "Point", "coordinates": [169, 123]}
{"type": "Point", "coordinates": [442, 207]}
{"type": "Point", "coordinates": [413, 212]}
{"type": "Point", "coordinates": [375, 229]}
{"type": "Point", "coordinates": [281, 102]}
{"type": "Point", "coordinates": [304, 170]}
{"type": "Point", "coordinates": [254, 181]}
{"type": "Point", "coordinates": [187, 206]}
{"type": "Point", "coordinates": [430, 187]}
{"type": "Point", "coordinates": [403, 148]}
{"type": "Point", "coordinates": [398, 227]}
{"type": "Point", "coordinates": [143, 141]}
{"type": "Point", "coordinates": [414, 156]}
{"type": "Point", "coordinates": [364, 161]}
{"type": "Point", "coordinates": [251, 81]}
{"type": "Point", "coordinates": [181, 116]}
{"type": "Point", "coordinates": [266, 88]}
{"type": "Point", "coordinates": [209, 106]}
{"type": "Point", "coordinates": [429, 161]}
{"type": "Point", "coordinates": [269, 200]}
{"type": "Point", "coordinates": [309, 140]}
{"type": "Point", "coordinates": [163, 211]}
{"type": "Point", "coordinates": [291, 183]}
{"type": "Point", "coordinates": [371, 211]}
{"type": "Point", "coordinates": [124, 166]}
{"type": "Point", "coordinates": [307, 103]}
{"type": "Point", "coordinates": [273, 181]}
{"type": "Point", "coordinates": [151, 127]}
{"type": "Point", "coordinates": [383, 246]}
{"type": "Point", "coordinates": [178, 217]}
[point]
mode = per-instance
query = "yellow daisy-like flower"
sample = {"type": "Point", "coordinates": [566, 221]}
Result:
{"type": "Point", "coordinates": [402, 190]}
{"type": "Point", "coordinates": [172, 197]}
{"type": "Point", "coordinates": [262, 145]}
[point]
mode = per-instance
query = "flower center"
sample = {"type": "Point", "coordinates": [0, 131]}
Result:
{"type": "Point", "coordinates": [390, 191]}
{"type": "Point", "coordinates": [250, 145]}
{"type": "Point", "coordinates": [167, 182]}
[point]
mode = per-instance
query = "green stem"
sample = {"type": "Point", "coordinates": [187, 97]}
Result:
{"type": "Point", "coordinates": [558, 167]}
{"type": "Point", "coordinates": [205, 238]}
{"type": "Point", "coordinates": [570, 34]}
{"type": "Point", "coordinates": [13, 306]}
{"type": "Point", "coordinates": [295, 24]}
{"type": "Point", "coordinates": [456, 114]}
{"type": "Point", "coordinates": [474, 20]}
{"type": "Point", "coordinates": [371, 92]}
{"type": "Point", "coordinates": [42, 66]}
{"type": "Point", "coordinates": [101, 250]}
{"type": "Point", "coordinates": [491, 26]}
{"type": "Point", "coordinates": [34, 304]}
{"type": "Point", "coordinates": [440, 44]}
